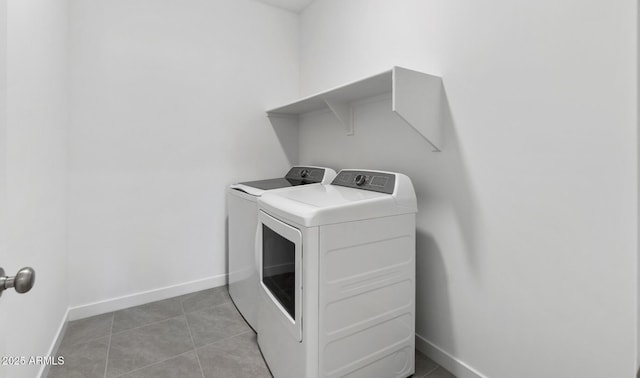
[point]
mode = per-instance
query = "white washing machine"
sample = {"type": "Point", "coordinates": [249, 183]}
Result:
{"type": "Point", "coordinates": [337, 277]}
{"type": "Point", "coordinates": [243, 219]}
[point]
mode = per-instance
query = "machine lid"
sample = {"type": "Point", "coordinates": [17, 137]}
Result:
{"type": "Point", "coordinates": [275, 183]}
{"type": "Point", "coordinates": [327, 204]}
{"type": "Point", "coordinates": [298, 175]}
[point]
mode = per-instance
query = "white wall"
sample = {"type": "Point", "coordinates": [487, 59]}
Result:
{"type": "Point", "coordinates": [527, 224]}
{"type": "Point", "coordinates": [3, 155]}
{"type": "Point", "coordinates": [36, 161]}
{"type": "Point", "coordinates": [167, 110]}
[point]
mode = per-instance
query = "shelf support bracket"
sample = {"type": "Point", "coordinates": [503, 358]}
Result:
{"type": "Point", "coordinates": [342, 111]}
{"type": "Point", "coordinates": [286, 128]}
{"type": "Point", "coordinates": [418, 100]}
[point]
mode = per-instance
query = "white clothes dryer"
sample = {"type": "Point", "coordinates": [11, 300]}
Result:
{"type": "Point", "coordinates": [243, 219]}
{"type": "Point", "coordinates": [337, 277]}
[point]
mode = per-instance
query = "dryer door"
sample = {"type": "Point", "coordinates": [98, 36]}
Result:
{"type": "Point", "coordinates": [280, 251]}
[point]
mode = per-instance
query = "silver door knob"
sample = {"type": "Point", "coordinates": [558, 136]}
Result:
{"type": "Point", "coordinates": [23, 281]}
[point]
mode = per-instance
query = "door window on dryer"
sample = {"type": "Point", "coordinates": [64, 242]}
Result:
{"type": "Point", "coordinates": [279, 268]}
{"type": "Point", "coordinates": [280, 252]}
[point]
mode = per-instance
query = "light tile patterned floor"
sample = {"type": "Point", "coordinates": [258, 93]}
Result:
{"type": "Point", "coordinates": [195, 335]}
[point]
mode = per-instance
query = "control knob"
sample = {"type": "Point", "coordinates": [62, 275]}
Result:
{"type": "Point", "coordinates": [304, 173]}
{"type": "Point", "coordinates": [360, 180]}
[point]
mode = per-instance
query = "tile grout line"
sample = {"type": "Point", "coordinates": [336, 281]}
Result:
{"type": "Point", "coordinates": [110, 333]}
{"type": "Point", "coordinates": [227, 301]}
{"type": "Point", "coordinates": [227, 338]}
{"type": "Point", "coordinates": [432, 370]}
{"type": "Point", "coordinates": [168, 358]}
{"type": "Point", "coordinates": [192, 340]}
{"type": "Point", "coordinates": [147, 324]}
{"type": "Point", "coordinates": [151, 364]}
{"type": "Point", "coordinates": [183, 312]}
{"type": "Point", "coordinates": [106, 362]}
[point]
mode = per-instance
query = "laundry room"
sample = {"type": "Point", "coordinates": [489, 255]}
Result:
{"type": "Point", "coordinates": [499, 139]}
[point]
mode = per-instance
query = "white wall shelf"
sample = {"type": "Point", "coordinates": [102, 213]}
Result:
{"type": "Point", "coordinates": [416, 98]}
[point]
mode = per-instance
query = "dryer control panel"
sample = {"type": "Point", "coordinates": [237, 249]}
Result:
{"type": "Point", "coordinates": [382, 182]}
{"type": "Point", "coordinates": [306, 174]}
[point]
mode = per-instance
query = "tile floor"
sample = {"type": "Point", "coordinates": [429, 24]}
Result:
{"type": "Point", "coordinates": [195, 335]}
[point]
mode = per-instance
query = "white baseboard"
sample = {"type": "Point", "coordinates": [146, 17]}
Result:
{"type": "Point", "coordinates": [115, 304]}
{"type": "Point", "coordinates": [53, 350]}
{"type": "Point", "coordinates": [458, 368]}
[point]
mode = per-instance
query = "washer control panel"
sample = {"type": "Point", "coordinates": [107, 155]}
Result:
{"type": "Point", "coordinates": [368, 180]}
{"type": "Point", "coordinates": [308, 174]}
